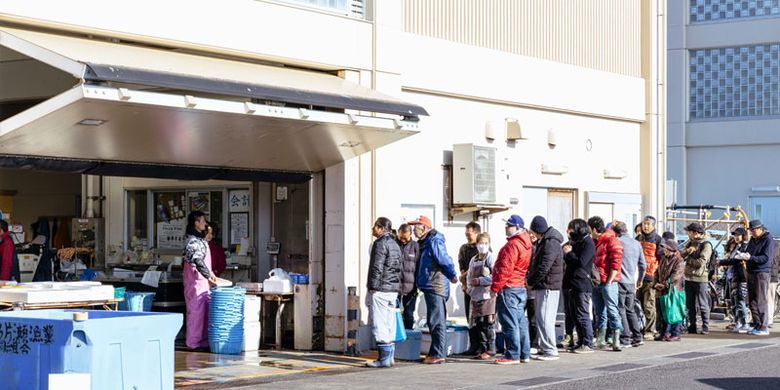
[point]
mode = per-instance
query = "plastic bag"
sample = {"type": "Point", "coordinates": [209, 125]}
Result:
{"type": "Point", "coordinates": [278, 274]}
{"type": "Point", "coordinates": [673, 305]}
{"type": "Point", "coordinates": [400, 329]}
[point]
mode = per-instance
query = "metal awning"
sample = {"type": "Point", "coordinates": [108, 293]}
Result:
{"type": "Point", "coordinates": [152, 107]}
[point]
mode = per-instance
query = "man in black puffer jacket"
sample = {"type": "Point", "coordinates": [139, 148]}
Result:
{"type": "Point", "coordinates": [384, 284]}
{"type": "Point", "coordinates": [545, 276]}
{"type": "Point", "coordinates": [410, 257]}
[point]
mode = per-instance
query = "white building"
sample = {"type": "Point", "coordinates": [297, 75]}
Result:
{"type": "Point", "coordinates": [724, 104]}
{"type": "Point", "coordinates": [567, 97]}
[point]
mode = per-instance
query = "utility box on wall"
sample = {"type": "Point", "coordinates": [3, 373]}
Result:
{"type": "Point", "coordinates": [476, 175]}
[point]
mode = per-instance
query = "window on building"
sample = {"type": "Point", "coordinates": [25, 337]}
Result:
{"type": "Point", "coordinates": [734, 82]}
{"type": "Point", "coordinates": [353, 8]}
{"type": "Point", "coordinates": [137, 219]}
{"type": "Point", "coordinates": [158, 218]}
{"type": "Point", "coordinates": [715, 10]}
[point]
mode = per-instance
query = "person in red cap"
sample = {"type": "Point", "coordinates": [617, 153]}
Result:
{"type": "Point", "coordinates": [509, 274]}
{"type": "Point", "coordinates": [433, 278]}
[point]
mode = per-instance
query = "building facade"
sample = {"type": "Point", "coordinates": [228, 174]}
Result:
{"type": "Point", "coordinates": [724, 104]}
{"type": "Point", "coordinates": [564, 99]}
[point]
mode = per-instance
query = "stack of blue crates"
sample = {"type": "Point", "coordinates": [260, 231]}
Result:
{"type": "Point", "coordinates": [226, 320]}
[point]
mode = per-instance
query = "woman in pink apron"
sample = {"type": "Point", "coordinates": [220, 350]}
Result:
{"type": "Point", "coordinates": [197, 281]}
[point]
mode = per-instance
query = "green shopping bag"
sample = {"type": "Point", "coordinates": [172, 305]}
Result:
{"type": "Point", "coordinates": [673, 305]}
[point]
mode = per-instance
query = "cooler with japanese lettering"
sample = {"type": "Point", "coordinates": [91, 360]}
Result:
{"type": "Point", "coordinates": [119, 350]}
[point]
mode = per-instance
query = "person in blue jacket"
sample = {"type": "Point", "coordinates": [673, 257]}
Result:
{"type": "Point", "coordinates": [433, 278]}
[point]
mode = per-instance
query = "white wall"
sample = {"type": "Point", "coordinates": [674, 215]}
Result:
{"type": "Point", "coordinates": [259, 29]}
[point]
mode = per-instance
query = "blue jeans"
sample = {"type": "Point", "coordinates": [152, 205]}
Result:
{"type": "Point", "coordinates": [605, 303]}
{"type": "Point", "coordinates": [510, 307]}
{"type": "Point", "coordinates": [437, 324]}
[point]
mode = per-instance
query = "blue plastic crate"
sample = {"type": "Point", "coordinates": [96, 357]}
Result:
{"type": "Point", "coordinates": [409, 349]}
{"type": "Point", "coordinates": [137, 301]}
{"type": "Point", "coordinates": [120, 350]}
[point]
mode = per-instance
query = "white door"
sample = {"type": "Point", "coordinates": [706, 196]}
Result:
{"type": "Point", "coordinates": [560, 208]}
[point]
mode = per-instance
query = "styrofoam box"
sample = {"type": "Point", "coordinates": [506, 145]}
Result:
{"type": "Point", "coordinates": [457, 341]}
{"type": "Point", "coordinates": [251, 336]}
{"type": "Point", "coordinates": [252, 308]}
{"type": "Point", "coordinates": [277, 286]}
{"type": "Point", "coordinates": [49, 292]}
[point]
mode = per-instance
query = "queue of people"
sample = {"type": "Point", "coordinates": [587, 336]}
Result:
{"type": "Point", "coordinates": [614, 285]}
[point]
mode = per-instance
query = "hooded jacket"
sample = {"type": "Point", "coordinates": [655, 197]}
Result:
{"type": "Point", "coordinates": [762, 251]}
{"type": "Point", "coordinates": [384, 268]}
{"type": "Point", "coordinates": [436, 268]}
{"type": "Point", "coordinates": [579, 263]}
{"type": "Point", "coordinates": [546, 269]}
{"type": "Point", "coordinates": [609, 255]}
{"type": "Point", "coordinates": [651, 249]}
{"type": "Point", "coordinates": [512, 262]}
{"type": "Point", "coordinates": [696, 263]}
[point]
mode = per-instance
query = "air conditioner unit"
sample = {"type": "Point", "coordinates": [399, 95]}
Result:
{"type": "Point", "coordinates": [476, 175]}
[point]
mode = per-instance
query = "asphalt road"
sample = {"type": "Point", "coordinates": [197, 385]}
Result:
{"type": "Point", "coordinates": [757, 369]}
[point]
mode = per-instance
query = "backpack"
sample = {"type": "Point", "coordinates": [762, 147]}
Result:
{"type": "Point", "coordinates": [712, 262]}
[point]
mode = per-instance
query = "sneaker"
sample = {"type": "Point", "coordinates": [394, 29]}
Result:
{"type": "Point", "coordinates": [546, 358]}
{"type": "Point", "coordinates": [535, 351]}
{"type": "Point", "coordinates": [624, 346]}
{"type": "Point", "coordinates": [744, 329]}
{"type": "Point", "coordinates": [526, 360]}
{"type": "Point", "coordinates": [584, 349]}
{"type": "Point", "coordinates": [507, 361]}
{"type": "Point", "coordinates": [705, 332]}
{"type": "Point", "coordinates": [566, 340]}
{"type": "Point", "coordinates": [637, 343]}
{"type": "Point", "coordinates": [757, 332]}
{"type": "Point", "coordinates": [673, 338]}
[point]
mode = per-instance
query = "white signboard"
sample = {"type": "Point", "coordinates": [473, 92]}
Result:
{"type": "Point", "coordinates": [238, 201]}
{"type": "Point", "coordinates": [170, 235]}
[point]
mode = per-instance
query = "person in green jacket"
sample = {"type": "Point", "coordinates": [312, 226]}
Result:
{"type": "Point", "coordinates": [696, 255]}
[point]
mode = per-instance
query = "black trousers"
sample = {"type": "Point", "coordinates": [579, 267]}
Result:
{"type": "Point", "coordinates": [467, 303]}
{"type": "Point", "coordinates": [568, 301]}
{"type": "Point", "coordinates": [579, 310]}
{"type": "Point", "coordinates": [758, 285]}
{"type": "Point", "coordinates": [409, 303]}
{"type": "Point", "coordinates": [529, 313]}
{"type": "Point", "coordinates": [631, 329]}
{"type": "Point", "coordinates": [697, 299]}
{"type": "Point", "coordinates": [483, 335]}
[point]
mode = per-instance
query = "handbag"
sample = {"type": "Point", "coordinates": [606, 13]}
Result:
{"type": "Point", "coordinates": [400, 329]}
{"type": "Point", "coordinates": [673, 305]}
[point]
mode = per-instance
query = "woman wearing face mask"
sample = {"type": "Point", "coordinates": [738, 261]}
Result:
{"type": "Point", "coordinates": [483, 303]}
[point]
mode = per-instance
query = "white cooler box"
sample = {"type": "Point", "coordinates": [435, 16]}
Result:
{"type": "Point", "coordinates": [251, 336]}
{"type": "Point", "coordinates": [252, 308]}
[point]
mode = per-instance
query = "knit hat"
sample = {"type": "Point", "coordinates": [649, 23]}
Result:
{"type": "Point", "coordinates": [539, 224]}
{"type": "Point", "coordinates": [670, 245]}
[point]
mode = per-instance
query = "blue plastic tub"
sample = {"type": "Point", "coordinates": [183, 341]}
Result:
{"type": "Point", "coordinates": [409, 349]}
{"type": "Point", "coordinates": [137, 301]}
{"type": "Point", "coordinates": [120, 350]}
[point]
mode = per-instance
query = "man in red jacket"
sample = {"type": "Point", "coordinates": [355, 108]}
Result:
{"type": "Point", "coordinates": [608, 262]}
{"type": "Point", "coordinates": [509, 284]}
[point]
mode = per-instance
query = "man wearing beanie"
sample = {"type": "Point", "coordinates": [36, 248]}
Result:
{"type": "Point", "coordinates": [544, 280]}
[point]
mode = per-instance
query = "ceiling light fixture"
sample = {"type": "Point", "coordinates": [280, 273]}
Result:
{"type": "Point", "coordinates": [92, 122]}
